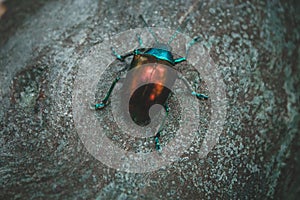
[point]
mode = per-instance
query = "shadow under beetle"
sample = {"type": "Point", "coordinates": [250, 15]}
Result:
{"type": "Point", "coordinates": [148, 61]}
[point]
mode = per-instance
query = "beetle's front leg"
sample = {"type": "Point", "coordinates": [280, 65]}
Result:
{"type": "Point", "coordinates": [198, 95]}
{"type": "Point", "coordinates": [157, 135]}
{"type": "Point", "coordinates": [105, 101]}
{"type": "Point", "coordinates": [121, 57]}
{"type": "Point", "coordinates": [190, 44]}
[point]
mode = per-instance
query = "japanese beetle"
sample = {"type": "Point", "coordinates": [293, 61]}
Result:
{"type": "Point", "coordinates": [150, 64]}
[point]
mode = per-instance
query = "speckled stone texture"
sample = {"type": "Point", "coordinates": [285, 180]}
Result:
{"type": "Point", "coordinates": [255, 46]}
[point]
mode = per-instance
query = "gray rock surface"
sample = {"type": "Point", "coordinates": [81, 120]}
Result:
{"type": "Point", "coordinates": [254, 45]}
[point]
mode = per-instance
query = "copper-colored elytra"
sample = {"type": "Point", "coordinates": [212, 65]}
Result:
{"type": "Point", "coordinates": [2, 9]}
{"type": "Point", "coordinates": [149, 73]}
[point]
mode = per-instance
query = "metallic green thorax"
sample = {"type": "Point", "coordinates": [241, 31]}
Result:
{"type": "Point", "coordinates": [161, 54]}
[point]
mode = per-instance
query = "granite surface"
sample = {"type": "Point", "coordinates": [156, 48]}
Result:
{"type": "Point", "coordinates": [255, 46]}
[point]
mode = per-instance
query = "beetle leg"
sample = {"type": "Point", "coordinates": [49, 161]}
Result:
{"type": "Point", "coordinates": [186, 82]}
{"type": "Point", "coordinates": [121, 57]}
{"type": "Point", "coordinates": [179, 60]}
{"type": "Point", "coordinates": [190, 44]}
{"type": "Point", "coordinates": [157, 135]}
{"type": "Point", "coordinates": [105, 102]}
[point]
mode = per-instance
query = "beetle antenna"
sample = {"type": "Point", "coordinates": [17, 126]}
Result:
{"type": "Point", "coordinates": [183, 22]}
{"type": "Point", "coordinates": [149, 29]}
{"type": "Point", "coordinates": [178, 30]}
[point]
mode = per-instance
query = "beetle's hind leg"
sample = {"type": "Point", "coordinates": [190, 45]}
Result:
{"type": "Point", "coordinates": [157, 135]}
{"type": "Point", "coordinates": [198, 95]}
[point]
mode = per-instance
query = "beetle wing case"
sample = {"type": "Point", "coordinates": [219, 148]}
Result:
{"type": "Point", "coordinates": [148, 83]}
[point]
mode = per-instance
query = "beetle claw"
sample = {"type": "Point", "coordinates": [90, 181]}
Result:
{"type": "Point", "coordinates": [158, 147]}
{"type": "Point", "coordinates": [199, 96]}
{"type": "Point", "coordinates": [99, 106]}
{"type": "Point", "coordinates": [157, 144]}
{"type": "Point", "coordinates": [92, 106]}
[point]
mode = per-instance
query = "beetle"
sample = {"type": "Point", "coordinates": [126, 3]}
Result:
{"type": "Point", "coordinates": [150, 62]}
